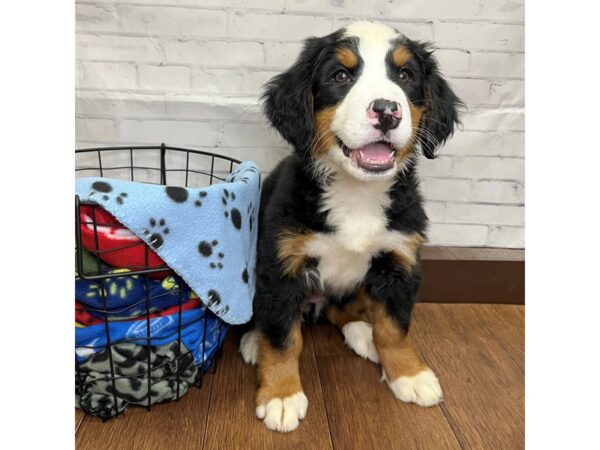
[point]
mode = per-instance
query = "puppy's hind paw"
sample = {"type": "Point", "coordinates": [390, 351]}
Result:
{"type": "Point", "coordinates": [359, 337]}
{"type": "Point", "coordinates": [249, 347]}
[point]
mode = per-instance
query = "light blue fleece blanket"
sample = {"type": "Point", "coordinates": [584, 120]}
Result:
{"type": "Point", "coordinates": [207, 235]}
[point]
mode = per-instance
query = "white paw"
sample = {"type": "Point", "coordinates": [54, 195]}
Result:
{"type": "Point", "coordinates": [423, 389]}
{"type": "Point", "coordinates": [249, 347]}
{"type": "Point", "coordinates": [283, 414]}
{"type": "Point", "coordinates": [359, 337]}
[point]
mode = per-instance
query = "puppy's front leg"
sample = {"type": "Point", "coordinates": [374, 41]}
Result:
{"type": "Point", "coordinates": [280, 400]}
{"type": "Point", "coordinates": [392, 291]}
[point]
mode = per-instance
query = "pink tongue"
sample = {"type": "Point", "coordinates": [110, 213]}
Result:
{"type": "Point", "coordinates": [376, 156]}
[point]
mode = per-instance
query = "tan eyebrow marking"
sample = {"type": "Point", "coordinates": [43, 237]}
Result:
{"type": "Point", "coordinates": [401, 55]}
{"type": "Point", "coordinates": [347, 57]}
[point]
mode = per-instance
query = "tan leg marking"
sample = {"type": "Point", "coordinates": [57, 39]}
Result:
{"type": "Point", "coordinates": [406, 374]}
{"type": "Point", "coordinates": [407, 257]}
{"type": "Point", "coordinates": [398, 357]}
{"type": "Point", "coordinates": [280, 400]}
{"type": "Point", "coordinates": [291, 251]}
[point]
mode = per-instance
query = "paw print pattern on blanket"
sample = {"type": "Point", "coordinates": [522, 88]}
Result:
{"type": "Point", "coordinates": [103, 188]}
{"type": "Point", "coordinates": [234, 214]}
{"type": "Point", "coordinates": [206, 249]}
{"type": "Point", "coordinates": [214, 300]}
{"type": "Point", "coordinates": [201, 194]}
{"type": "Point", "coordinates": [177, 194]}
{"type": "Point", "coordinates": [156, 239]}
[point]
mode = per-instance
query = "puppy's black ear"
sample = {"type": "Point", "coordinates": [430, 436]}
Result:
{"type": "Point", "coordinates": [441, 104]}
{"type": "Point", "coordinates": [288, 98]}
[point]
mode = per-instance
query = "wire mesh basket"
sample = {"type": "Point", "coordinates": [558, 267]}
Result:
{"type": "Point", "coordinates": [116, 372]}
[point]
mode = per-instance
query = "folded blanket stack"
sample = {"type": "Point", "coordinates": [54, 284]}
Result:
{"type": "Point", "coordinates": [144, 319]}
{"type": "Point", "coordinates": [143, 339]}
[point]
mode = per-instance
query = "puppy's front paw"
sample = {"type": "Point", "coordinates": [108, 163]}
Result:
{"type": "Point", "coordinates": [423, 389]}
{"type": "Point", "coordinates": [359, 337]}
{"type": "Point", "coordinates": [283, 414]}
{"type": "Point", "coordinates": [249, 347]}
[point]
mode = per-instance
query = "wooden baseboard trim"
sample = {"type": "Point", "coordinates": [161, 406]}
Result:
{"type": "Point", "coordinates": [473, 275]}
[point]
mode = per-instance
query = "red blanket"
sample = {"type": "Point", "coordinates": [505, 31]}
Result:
{"type": "Point", "coordinates": [117, 246]}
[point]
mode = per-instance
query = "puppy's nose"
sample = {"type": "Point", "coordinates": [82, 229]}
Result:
{"type": "Point", "coordinates": [388, 114]}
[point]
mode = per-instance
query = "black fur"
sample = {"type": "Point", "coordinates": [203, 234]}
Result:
{"type": "Point", "coordinates": [291, 194]}
{"type": "Point", "coordinates": [291, 97]}
{"type": "Point", "coordinates": [441, 103]}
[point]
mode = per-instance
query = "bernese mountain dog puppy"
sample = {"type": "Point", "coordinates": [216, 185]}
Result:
{"type": "Point", "coordinates": [342, 219]}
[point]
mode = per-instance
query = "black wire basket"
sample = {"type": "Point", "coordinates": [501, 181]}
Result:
{"type": "Point", "coordinates": [120, 372]}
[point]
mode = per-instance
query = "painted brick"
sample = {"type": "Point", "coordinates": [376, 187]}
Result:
{"type": "Point", "coordinates": [439, 167]}
{"type": "Point", "coordinates": [96, 17]}
{"type": "Point", "coordinates": [213, 108]}
{"type": "Point", "coordinates": [164, 77]}
{"type": "Point", "coordinates": [465, 143]}
{"type": "Point", "coordinates": [480, 36]}
{"type": "Point", "coordinates": [441, 189]}
{"type": "Point", "coordinates": [459, 235]}
{"type": "Point", "coordinates": [249, 135]}
{"type": "Point", "coordinates": [453, 63]}
{"type": "Point", "coordinates": [254, 81]}
{"type": "Point", "coordinates": [497, 192]}
{"type": "Point", "coordinates": [416, 9]}
{"type": "Point", "coordinates": [177, 132]}
{"type": "Point", "coordinates": [217, 81]}
{"type": "Point", "coordinates": [484, 214]}
{"type": "Point", "coordinates": [498, 65]}
{"type": "Point", "coordinates": [151, 20]}
{"type": "Point", "coordinates": [119, 104]}
{"type": "Point", "coordinates": [489, 168]}
{"type": "Point", "coordinates": [514, 144]}
{"type": "Point", "coordinates": [109, 75]}
{"type": "Point", "coordinates": [507, 93]}
{"type": "Point", "coordinates": [435, 211]}
{"type": "Point", "coordinates": [472, 92]}
{"type": "Point", "coordinates": [511, 237]}
{"type": "Point", "coordinates": [214, 53]}
{"type": "Point", "coordinates": [359, 8]}
{"type": "Point", "coordinates": [117, 48]}
{"type": "Point", "coordinates": [504, 10]}
{"type": "Point", "coordinates": [186, 22]}
{"type": "Point", "coordinates": [101, 130]}
{"type": "Point", "coordinates": [278, 26]}
{"type": "Point", "coordinates": [506, 119]}
{"type": "Point", "coordinates": [280, 54]}
{"type": "Point", "coordinates": [247, 4]}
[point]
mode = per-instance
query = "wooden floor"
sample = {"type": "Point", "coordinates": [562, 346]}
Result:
{"type": "Point", "coordinates": [476, 350]}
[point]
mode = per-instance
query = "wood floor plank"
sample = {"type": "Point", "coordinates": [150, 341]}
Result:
{"type": "Point", "coordinates": [329, 341]}
{"type": "Point", "coordinates": [231, 421]}
{"type": "Point", "coordinates": [364, 414]}
{"type": "Point", "coordinates": [483, 387]}
{"type": "Point", "coordinates": [507, 324]}
{"type": "Point", "coordinates": [79, 418]}
{"type": "Point", "coordinates": [174, 425]}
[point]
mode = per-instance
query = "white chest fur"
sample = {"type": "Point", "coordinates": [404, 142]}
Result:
{"type": "Point", "coordinates": [356, 211]}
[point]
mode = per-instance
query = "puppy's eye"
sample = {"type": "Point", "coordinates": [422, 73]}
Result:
{"type": "Point", "coordinates": [341, 76]}
{"type": "Point", "coordinates": [405, 76]}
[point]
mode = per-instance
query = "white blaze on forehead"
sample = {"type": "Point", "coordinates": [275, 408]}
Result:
{"type": "Point", "coordinates": [372, 32]}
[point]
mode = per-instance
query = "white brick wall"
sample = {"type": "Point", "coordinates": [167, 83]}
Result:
{"type": "Point", "coordinates": [189, 73]}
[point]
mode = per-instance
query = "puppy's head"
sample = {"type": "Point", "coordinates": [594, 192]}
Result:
{"type": "Point", "coordinates": [361, 100]}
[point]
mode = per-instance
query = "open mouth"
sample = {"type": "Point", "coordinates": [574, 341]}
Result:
{"type": "Point", "coordinates": [374, 157]}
